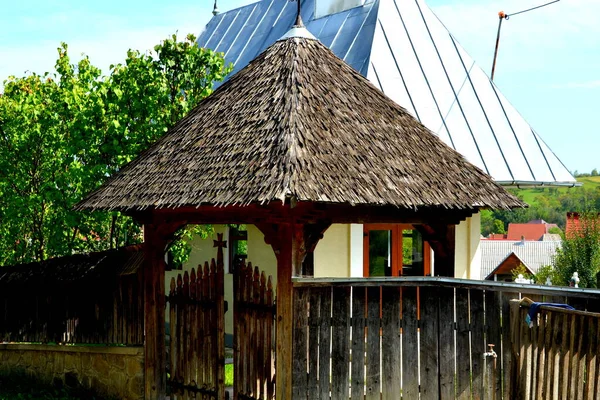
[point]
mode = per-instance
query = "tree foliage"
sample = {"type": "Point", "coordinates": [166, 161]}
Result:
{"type": "Point", "coordinates": [62, 134]}
{"type": "Point", "coordinates": [580, 253]}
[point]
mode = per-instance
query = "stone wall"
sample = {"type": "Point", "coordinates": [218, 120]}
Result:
{"type": "Point", "coordinates": [111, 371]}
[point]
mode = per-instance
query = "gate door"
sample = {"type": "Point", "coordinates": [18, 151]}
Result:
{"type": "Point", "coordinates": [253, 332]}
{"type": "Point", "coordinates": [197, 335]}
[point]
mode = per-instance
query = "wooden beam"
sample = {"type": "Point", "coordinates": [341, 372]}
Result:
{"type": "Point", "coordinates": [155, 241]}
{"type": "Point", "coordinates": [303, 213]}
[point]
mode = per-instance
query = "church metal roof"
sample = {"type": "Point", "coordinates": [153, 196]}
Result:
{"type": "Point", "coordinates": [407, 52]}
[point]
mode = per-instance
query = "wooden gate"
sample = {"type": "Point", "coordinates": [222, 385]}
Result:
{"type": "Point", "coordinates": [253, 332]}
{"type": "Point", "coordinates": [197, 320]}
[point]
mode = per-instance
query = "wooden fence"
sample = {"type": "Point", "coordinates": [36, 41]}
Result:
{"type": "Point", "coordinates": [557, 356]}
{"type": "Point", "coordinates": [368, 339]}
{"type": "Point", "coordinates": [107, 309]}
{"type": "Point", "coordinates": [197, 334]}
{"type": "Point", "coordinates": [254, 330]}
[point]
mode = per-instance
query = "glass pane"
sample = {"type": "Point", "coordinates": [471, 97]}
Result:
{"type": "Point", "coordinates": [380, 253]}
{"type": "Point", "coordinates": [412, 253]}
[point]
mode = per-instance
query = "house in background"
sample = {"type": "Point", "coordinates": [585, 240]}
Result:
{"type": "Point", "coordinates": [500, 257]}
{"type": "Point", "coordinates": [537, 229]}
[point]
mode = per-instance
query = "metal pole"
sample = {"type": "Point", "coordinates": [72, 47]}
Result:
{"type": "Point", "coordinates": [502, 17]}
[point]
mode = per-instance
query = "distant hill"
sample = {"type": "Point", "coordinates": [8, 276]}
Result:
{"type": "Point", "coordinates": [530, 195]}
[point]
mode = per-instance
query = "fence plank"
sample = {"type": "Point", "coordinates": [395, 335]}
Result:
{"type": "Point", "coordinates": [429, 351]}
{"type": "Point", "coordinates": [581, 353]}
{"type": "Point", "coordinates": [477, 341]}
{"type": "Point", "coordinates": [590, 358]}
{"type": "Point", "coordinates": [340, 347]}
{"type": "Point", "coordinates": [300, 342]}
{"type": "Point", "coordinates": [373, 379]}
{"type": "Point", "coordinates": [270, 359]}
{"type": "Point", "coordinates": [447, 350]}
{"type": "Point", "coordinates": [463, 356]}
{"type": "Point", "coordinates": [357, 390]}
{"type": "Point", "coordinates": [493, 336]}
{"type": "Point", "coordinates": [390, 343]}
{"type": "Point", "coordinates": [410, 345]}
{"type": "Point", "coordinates": [324, 344]}
{"type": "Point", "coordinates": [508, 357]}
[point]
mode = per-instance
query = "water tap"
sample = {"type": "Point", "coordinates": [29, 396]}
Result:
{"type": "Point", "coordinates": [491, 352]}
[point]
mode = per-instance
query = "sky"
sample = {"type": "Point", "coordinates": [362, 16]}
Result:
{"type": "Point", "coordinates": [548, 63]}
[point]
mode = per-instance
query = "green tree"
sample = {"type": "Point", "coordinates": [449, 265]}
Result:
{"type": "Point", "coordinates": [62, 134]}
{"type": "Point", "coordinates": [580, 253]}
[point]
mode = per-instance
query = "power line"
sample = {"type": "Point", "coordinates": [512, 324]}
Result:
{"type": "Point", "coordinates": [530, 9]}
{"type": "Point", "coordinates": [502, 15]}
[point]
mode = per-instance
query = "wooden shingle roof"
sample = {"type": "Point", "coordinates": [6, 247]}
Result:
{"type": "Point", "coordinates": [299, 123]}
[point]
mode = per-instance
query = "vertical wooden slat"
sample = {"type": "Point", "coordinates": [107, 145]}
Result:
{"type": "Point", "coordinates": [582, 353]}
{"type": "Point", "coordinates": [573, 350]}
{"type": "Point", "coordinates": [270, 359]}
{"type": "Point", "coordinates": [557, 325]}
{"type": "Point", "coordinates": [172, 329]}
{"type": "Point", "coordinates": [324, 344]}
{"type": "Point", "coordinates": [565, 360]}
{"type": "Point", "coordinates": [220, 330]}
{"type": "Point", "coordinates": [373, 347]}
{"type": "Point", "coordinates": [539, 356]}
{"type": "Point", "coordinates": [313, 340]}
{"type": "Point", "coordinates": [463, 358]}
{"type": "Point", "coordinates": [340, 347]}
{"type": "Point", "coordinates": [237, 331]}
{"type": "Point", "coordinates": [590, 358]}
{"type": "Point", "coordinates": [187, 332]}
{"type": "Point", "coordinates": [262, 326]}
{"type": "Point", "coordinates": [548, 365]}
{"type": "Point", "coordinates": [390, 344]}
{"type": "Point", "coordinates": [477, 342]}
{"type": "Point", "coordinates": [493, 336]}
{"type": "Point", "coordinates": [357, 372]}
{"type": "Point", "coordinates": [252, 336]}
{"type": "Point", "coordinates": [410, 346]}
{"type": "Point", "coordinates": [206, 348]}
{"type": "Point", "coordinates": [300, 343]}
{"type": "Point", "coordinates": [508, 355]}
{"type": "Point", "coordinates": [446, 344]}
{"type": "Point", "coordinates": [429, 351]}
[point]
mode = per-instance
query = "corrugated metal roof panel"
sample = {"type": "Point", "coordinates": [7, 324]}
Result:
{"type": "Point", "coordinates": [535, 254]}
{"type": "Point", "coordinates": [405, 50]}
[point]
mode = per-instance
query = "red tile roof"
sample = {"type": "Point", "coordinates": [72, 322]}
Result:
{"type": "Point", "coordinates": [527, 231]}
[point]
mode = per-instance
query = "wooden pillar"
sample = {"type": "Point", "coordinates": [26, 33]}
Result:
{"type": "Point", "coordinates": [155, 383]}
{"type": "Point", "coordinates": [442, 239]}
{"type": "Point", "coordinates": [290, 243]}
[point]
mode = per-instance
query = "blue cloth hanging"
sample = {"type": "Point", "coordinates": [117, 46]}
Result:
{"type": "Point", "coordinates": [534, 308]}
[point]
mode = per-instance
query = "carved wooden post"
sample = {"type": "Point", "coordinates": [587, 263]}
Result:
{"type": "Point", "coordinates": [290, 242]}
{"type": "Point", "coordinates": [155, 241]}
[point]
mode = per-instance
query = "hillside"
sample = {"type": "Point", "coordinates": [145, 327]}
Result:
{"type": "Point", "coordinates": [531, 195]}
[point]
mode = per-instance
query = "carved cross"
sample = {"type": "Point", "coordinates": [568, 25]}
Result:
{"type": "Point", "coordinates": [220, 244]}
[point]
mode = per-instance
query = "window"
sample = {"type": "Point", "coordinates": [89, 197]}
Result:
{"type": "Point", "coordinates": [238, 246]}
{"type": "Point", "coordinates": [394, 250]}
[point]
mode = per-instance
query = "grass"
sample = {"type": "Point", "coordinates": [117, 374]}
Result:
{"type": "Point", "coordinates": [228, 374]}
{"type": "Point", "coordinates": [530, 195]}
{"type": "Point", "coordinates": [17, 386]}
